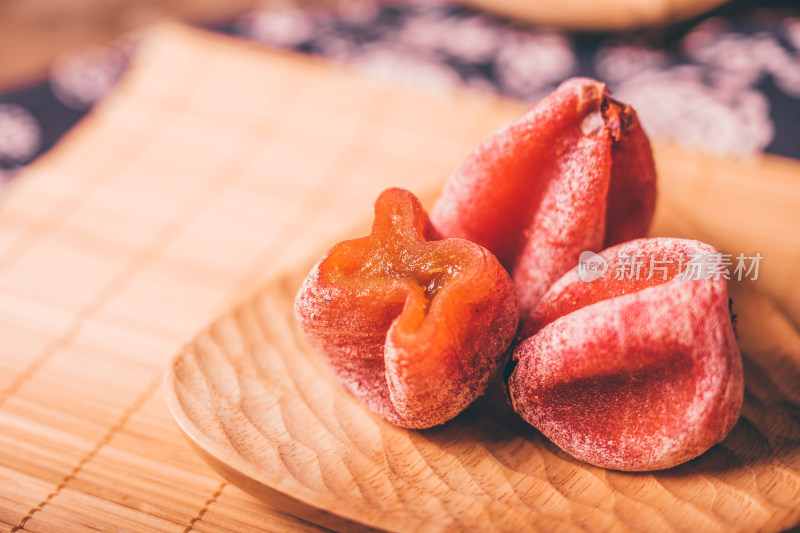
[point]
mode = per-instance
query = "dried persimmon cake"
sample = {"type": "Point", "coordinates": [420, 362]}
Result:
{"type": "Point", "coordinates": [414, 325]}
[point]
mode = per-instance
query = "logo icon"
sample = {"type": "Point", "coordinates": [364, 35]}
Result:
{"type": "Point", "coordinates": [591, 266]}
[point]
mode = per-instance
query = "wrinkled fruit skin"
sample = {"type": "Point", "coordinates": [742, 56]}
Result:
{"type": "Point", "coordinates": [574, 173]}
{"type": "Point", "coordinates": [415, 327]}
{"type": "Point", "coordinates": [632, 375]}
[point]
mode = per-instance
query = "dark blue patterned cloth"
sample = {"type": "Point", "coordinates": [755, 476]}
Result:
{"type": "Point", "coordinates": [727, 83]}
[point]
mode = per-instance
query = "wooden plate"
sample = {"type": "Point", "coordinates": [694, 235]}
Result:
{"type": "Point", "coordinates": [266, 414]}
{"type": "Point", "coordinates": [589, 15]}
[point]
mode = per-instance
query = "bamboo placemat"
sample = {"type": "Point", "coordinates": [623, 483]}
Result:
{"type": "Point", "coordinates": [212, 167]}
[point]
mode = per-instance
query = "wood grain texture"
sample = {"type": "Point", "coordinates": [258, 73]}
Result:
{"type": "Point", "coordinates": [261, 407]}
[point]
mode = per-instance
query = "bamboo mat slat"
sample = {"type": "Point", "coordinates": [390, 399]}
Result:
{"type": "Point", "coordinates": [212, 167]}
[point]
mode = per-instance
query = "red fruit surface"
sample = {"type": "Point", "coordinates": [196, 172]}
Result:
{"type": "Point", "coordinates": [415, 327]}
{"type": "Point", "coordinates": [573, 173]}
{"type": "Point", "coordinates": [633, 374]}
